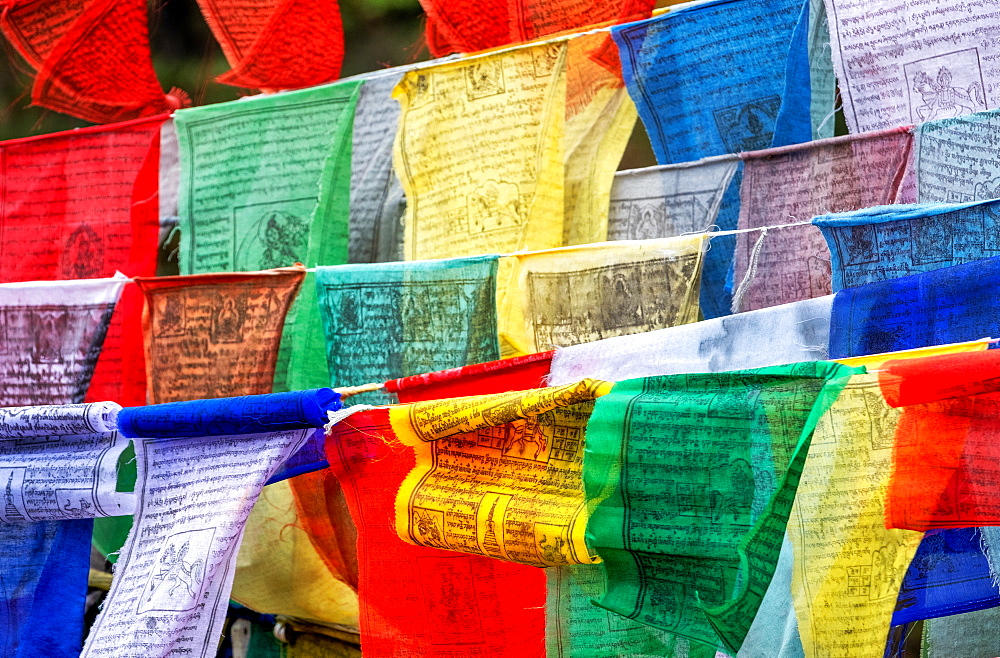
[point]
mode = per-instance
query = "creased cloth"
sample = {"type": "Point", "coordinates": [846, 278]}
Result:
{"type": "Point", "coordinates": [175, 573]}
{"type": "Point", "coordinates": [242, 314]}
{"type": "Point", "coordinates": [669, 200]}
{"type": "Point", "coordinates": [954, 159]}
{"type": "Point", "coordinates": [498, 475]}
{"type": "Point", "coordinates": [57, 472]}
{"type": "Point", "coordinates": [277, 44]}
{"type": "Point", "coordinates": [398, 319]}
{"type": "Point", "coordinates": [848, 567]}
{"type": "Point", "coordinates": [733, 492]}
{"type": "Point", "coordinates": [454, 603]}
{"type": "Point", "coordinates": [888, 242]}
{"type": "Point", "coordinates": [572, 295]}
{"type": "Point", "coordinates": [464, 128]}
{"type": "Point", "coordinates": [949, 575]}
{"type": "Point", "coordinates": [796, 332]}
{"type": "Point", "coordinates": [82, 204]}
{"type": "Point", "coordinates": [934, 308]}
{"type": "Point", "coordinates": [737, 106]}
{"type": "Point", "coordinates": [793, 184]}
{"type": "Point", "coordinates": [52, 335]}
{"type": "Point", "coordinates": [265, 183]}
{"type": "Point", "coordinates": [92, 58]}
{"type": "Point", "coordinates": [940, 69]}
{"type": "Point", "coordinates": [799, 332]}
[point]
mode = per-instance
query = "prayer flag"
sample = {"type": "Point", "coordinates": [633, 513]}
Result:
{"type": "Point", "coordinates": [791, 185]}
{"type": "Point", "coordinates": [573, 295]}
{"type": "Point", "coordinates": [888, 242]}
{"type": "Point", "coordinates": [399, 319]}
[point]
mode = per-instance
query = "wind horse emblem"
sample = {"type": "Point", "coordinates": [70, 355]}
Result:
{"type": "Point", "coordinates": [942, 100]}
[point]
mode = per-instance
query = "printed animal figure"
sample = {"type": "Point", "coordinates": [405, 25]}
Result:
{"type": "Point", "coordinates": [942, 100]}
{"type": "Point", "coordinates": [553, 552]}
{"type": "Point", "coordinates": [175, 572]}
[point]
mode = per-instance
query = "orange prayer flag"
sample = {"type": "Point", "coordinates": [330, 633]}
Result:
{"type": "Point", "coordinates": [214, 335]}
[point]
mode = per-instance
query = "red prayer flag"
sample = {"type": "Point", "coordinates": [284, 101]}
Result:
{"type": "Point", "coordinates": [519, 373]}
{"type": "Point", "coordinates": [416, 600]}
{"type": "Point", "coordinates": [92, 58]}
{"type": "Point", "coordinates": [946, 452]}
{"type": "Point", "coordinates": [467, 26]}
{"type": "Point", "coordinates": [277, 44]}
{"type": "Point", "coordinates": [83, 204]}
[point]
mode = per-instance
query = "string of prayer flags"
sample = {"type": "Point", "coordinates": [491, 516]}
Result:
{"type": "Point", "coordinates": [175, 572]}
{"type": "Point", "coordinates": [82, 204]}
{"type": "Point", "coordinates": [798, 332]}
{"type": "Point", "coordinates": [398, 319]}
{"type": "Point", "coordinates": [264, 184]}
{"type": "Point", "coordinates": [278, 44]}
{"type": "Point", "coordinates": [214, 335]}
{"type": "Point", "coordinates": [377, 202]}
{"type": "Point", "coordinates": [52, 334]}
{"type": "Point", "coordinates": [485, 465]}
{"type": "Point", "coordinates": [579, 294]}
{"type": "Point", "coordinates": [943, 455]}
{"type": "Point", "coordinates": [466, 27]}
{"type": "Point", "coordinates": [954, 158]}
{"type": "Point", "coordinates": [883, 87]}
{"type": "Point", "coordinates": [889, 242]}
{"type": "Point", "coordinates": [848, 566]}
{"type": "Point", "coordinates": [92, 58]}
{"type": "Point", "coordinates": [659, 541]}
{"type": "Point", "coordinates": [57, 472]}
{"type": "Point", "coordinates": [425, 601]}
{"type": "Point", "coordinates": [934, 308]}
{"type": "Point", "coordinates": [669, 200]}
{"type": "Point", "coordinates": [719, 49]}
{"type": "Point", "coordinates": [792, 184]}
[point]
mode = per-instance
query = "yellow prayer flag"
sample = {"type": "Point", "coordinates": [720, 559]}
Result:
{"type": "Point", "coordinates": [574, 295]}
{"type": "Point", "coordinates": [278, 571]}
{"type": "Point", "coordinates": [499, 475]}
{"type": "Point", "coordinates": [479, 153]}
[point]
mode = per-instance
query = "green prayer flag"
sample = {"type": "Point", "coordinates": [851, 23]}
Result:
{"type": "Point", "coordinates": [388, 320]}
{"type": "Point", "coordinates": [265, 182]}
{"type": "Point", "coordinates": [691, 480]}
